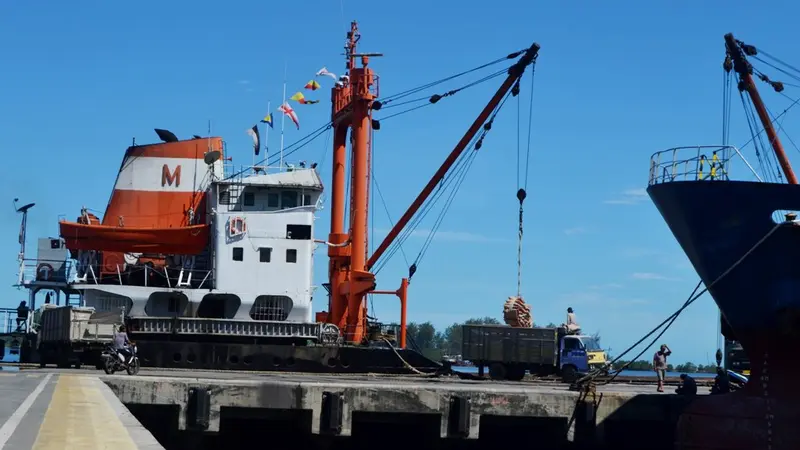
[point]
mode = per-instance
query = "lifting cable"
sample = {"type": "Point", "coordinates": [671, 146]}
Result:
{"type": "Point", "coordinates": [671, 319]}
{"type": "Point", "coordinates": [455, 177]}
{"type": "Point", "coordinates": [523, 188]}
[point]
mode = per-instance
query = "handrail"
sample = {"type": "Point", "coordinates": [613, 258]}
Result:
{"type": "Point", "coordinates": [709, 162]}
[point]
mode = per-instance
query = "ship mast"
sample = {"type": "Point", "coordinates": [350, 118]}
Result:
{"type": "Point", "coordinates": [736, 52]}
{"type": "Point", "coordinates": [350, 273]}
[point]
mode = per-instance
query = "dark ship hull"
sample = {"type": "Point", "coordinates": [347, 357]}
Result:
{"type": "Point", "coordinates": [717, 222]}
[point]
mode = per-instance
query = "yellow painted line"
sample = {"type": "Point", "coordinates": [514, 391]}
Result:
{"type": "Point", "coordinates": [80, 418]}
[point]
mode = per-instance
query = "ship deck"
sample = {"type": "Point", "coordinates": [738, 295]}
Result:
{"type": "Point", "coordinates": [86, 407]}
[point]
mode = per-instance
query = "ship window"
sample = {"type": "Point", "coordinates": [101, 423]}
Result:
{"type": "Point", "coordinates": [224, 197]}
{"type": "Point", "coordinates": [265, 254]}
{"type": "Point", "coordinates": [306, 200]}
{"type": "Point", "coordinates": [273, 200]}
{"type": "Point", "coordinates": [249, 199]}
{"type": "Point", "coordinates": [288, 199]}
{"type": "Point", "coordinates": [291, 255]}
{"type": "Point", "coordinates": [298, 232]}
{"type": "Point", "coordinates": [238, 254]}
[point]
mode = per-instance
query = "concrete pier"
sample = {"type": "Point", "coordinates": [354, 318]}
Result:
{"type": "Point", "coordinates": [449, 408]}
{"type": "Point", "coordinates": [210, 410]}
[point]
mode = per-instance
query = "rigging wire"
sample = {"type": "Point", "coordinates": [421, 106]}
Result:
{"type": "Point", "coordinates": [456, 174]}
{"type": "Point", "coordinates": [432, 100]}
{"type": "Point", "coordinates": [692, 298]}
{"type": "Point", "coordinates": [390, 98]}
{"type": "Point", "coordinates": [295, 146]}
{"type": "Point", "coordinates": [436, 97]}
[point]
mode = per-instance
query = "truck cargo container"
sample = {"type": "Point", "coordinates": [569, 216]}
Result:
{"type": "Point", "coordinates": [509, 351]}
{"type": "Point", "coordinates": [73, 335]}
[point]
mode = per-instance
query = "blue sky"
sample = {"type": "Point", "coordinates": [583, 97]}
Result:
{"type": "Point", "coordinates": [615, 82]}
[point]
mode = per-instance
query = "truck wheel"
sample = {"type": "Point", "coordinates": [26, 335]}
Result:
{"type": "Point", "coordinates": [497, 371]}
{"type": "Point", "coordinates": [516, 373]}
{"type": "Point", "coordinates": [568, 373]}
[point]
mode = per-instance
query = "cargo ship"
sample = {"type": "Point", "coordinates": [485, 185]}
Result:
{"type": "Point", "coordinates": [212, 265]}
{"type": "Point", "coordinates": [741, 237]}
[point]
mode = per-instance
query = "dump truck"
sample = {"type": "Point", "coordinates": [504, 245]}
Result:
{"type": "Point", "coordinates": [509, 352]}
{"type": "Point", "coordinates": [74, 335]}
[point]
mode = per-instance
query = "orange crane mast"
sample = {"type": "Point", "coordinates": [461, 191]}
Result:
{"type": "Point", "coordinates": [349, 271]}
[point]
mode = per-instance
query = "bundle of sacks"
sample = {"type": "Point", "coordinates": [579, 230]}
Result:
{"type": "Point", "coordinates": [517, 313]}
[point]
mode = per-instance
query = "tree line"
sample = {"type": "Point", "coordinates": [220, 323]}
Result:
{"type": "Point", "coordinates": [436, 344]}
{"type": "Point", "coordinates": [688, 367]}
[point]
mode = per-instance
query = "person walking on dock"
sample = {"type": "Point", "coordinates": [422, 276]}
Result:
{"type": "Point", "coordinates": [660, 365]}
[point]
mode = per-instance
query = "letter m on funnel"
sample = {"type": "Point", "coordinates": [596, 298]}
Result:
{"type": "Point", "coordinates": [168, 178]}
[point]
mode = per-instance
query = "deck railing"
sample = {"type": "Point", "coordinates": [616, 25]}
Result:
{"type": "Point", "coordinates": [700, 162]}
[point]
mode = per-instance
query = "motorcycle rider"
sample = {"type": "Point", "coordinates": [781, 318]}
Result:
{"type": "Point", "coordinates": [121, 344]}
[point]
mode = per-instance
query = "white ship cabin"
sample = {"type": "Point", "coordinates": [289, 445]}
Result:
{"type": "Point", "coordinates": [259, 265]}
{"type": "Point", "coordinates": [264, 241]}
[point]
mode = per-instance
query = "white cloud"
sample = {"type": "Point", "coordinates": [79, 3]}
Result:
{"type": "Point", "coordinates": [575, 230]}
{"type": "Point", "coordinates": [650, 276]}
{"type": "Point", "coordinates": [243, 82]}
{"type": "Point", "coordinates": [629, 197]}
{"type": "Point", "coordinates": [606, 286]}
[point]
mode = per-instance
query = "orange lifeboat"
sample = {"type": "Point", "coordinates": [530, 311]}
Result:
{"type": "Point", "coordinates": [188, 240]}
{"type": "Point", "coordinates": [158, 202]}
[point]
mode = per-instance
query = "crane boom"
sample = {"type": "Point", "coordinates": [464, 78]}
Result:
{"type": "Point", "coordinates": [514, 73]}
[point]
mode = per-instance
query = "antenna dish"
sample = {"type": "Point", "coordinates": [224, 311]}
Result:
{"type": "Point", "coordinates": [25, 208]}
{"type": "Point", "coordinates": [166, 135]}
{"type": "Point", "coordinates": [211, 157]}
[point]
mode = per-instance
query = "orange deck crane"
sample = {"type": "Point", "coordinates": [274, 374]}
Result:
{"type": "Point", "coordinates": [350, 276]}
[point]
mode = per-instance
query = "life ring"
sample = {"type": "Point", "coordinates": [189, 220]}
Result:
{"type": "Point", "coordinates": [237, 226]}
{"type": "Point", "coordinates": [44, 271]}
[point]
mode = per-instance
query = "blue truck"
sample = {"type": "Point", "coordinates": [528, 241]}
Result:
{"type": "Point", "coordinates": [510, 352]}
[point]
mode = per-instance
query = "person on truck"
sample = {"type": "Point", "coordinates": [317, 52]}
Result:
{"type": "Point", "coordinates": [121, 343]}
{"type": "Point", "coordinates": [22, 315]}
{"type": "Point", "coordinates": [571, 325]}
{"type": "Point", "coordinates": [660, 365]}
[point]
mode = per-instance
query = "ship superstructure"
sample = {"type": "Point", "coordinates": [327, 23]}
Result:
{"type": "Point", "coordinates": [181, 239]}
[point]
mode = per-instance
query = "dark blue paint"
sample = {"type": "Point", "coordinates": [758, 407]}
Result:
{"type": "Point", "coordinates": [716, 223]}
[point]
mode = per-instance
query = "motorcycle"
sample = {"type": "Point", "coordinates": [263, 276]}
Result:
{"type": "Point", "coordinates": [114, 361]}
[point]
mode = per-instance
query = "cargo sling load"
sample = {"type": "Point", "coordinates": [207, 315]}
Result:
{"type": "Point", "coordinates": [741, 237]}
{"type": "Point", "coordinates": [212, 266]}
